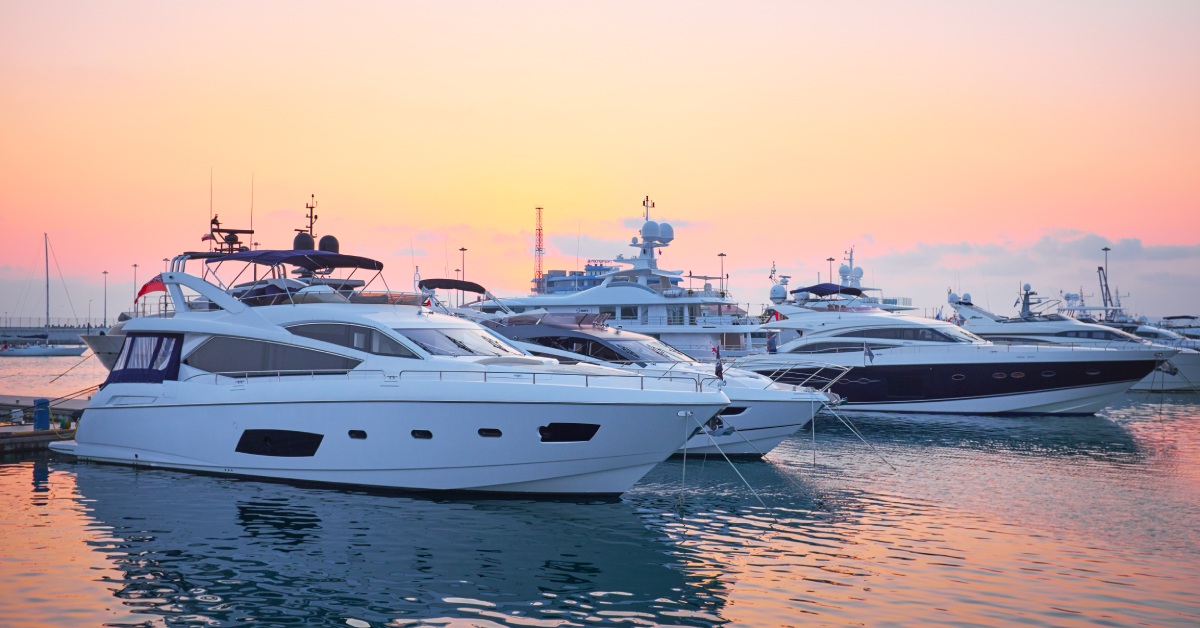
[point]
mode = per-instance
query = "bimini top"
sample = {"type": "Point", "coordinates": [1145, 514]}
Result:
{"type": "Point", "coordinates": [826, 289]}
{"type": "Point", "coordinates": [309, 260]}
{"type": "Point", "coordinates": [451, 284]}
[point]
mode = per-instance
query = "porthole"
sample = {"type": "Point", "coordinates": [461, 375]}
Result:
{"type": "Point", "coordinates": [358, 434]}
{"type": "Point", "coordinates": [999, 375]}
{"type": "Point", "coordinates": [489, 432]}
{"type": "Point", "coordinates": [1048, 373]}
{"type": "Point", "coordinates": [1017, 375]}
{"type": "Point", "coordinates": [958, 377]}
{"type": "Point", "coordinates": [1093, 371]}
{"type": "Point", "coordinates": [422, 434]}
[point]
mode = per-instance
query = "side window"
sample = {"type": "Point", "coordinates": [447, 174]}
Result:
{"type": "Point", "coordinates": [359, 337]}
{"type": "Point", "coordinates": [242, 356]}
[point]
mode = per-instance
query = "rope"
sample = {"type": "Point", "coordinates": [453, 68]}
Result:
{"type": "Point", "coordinates": [70, 369]}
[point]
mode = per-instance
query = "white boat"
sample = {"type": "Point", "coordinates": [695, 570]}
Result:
{"type": "Point", "coordinates": [42, 349]}
{"type": "Point", "coordinates": [761, 412]}
{"type": "Point", "coordinates": [334, 385]}
{"type": "Point", "coordinates": [1178, 369]}
{"type": "Point", "coordinates": [664, 304]}
{"type": "Point", "coordinates": [911, 364]}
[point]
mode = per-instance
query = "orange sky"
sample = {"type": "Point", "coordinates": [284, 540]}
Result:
{"type": "Point", "coordinates": [966, 145]}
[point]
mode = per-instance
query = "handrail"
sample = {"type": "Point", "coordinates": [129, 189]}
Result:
{"type": "Point", "coordinates": [588, 380]}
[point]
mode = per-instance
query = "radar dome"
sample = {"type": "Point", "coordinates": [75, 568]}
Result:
{"type": "Point", "coordinates": [858, 273]}
{"type": "Point", "coordinates": [953, 297]}
{"type": "Point", "coordinates": [666, 233]}
{"type": "Point", "coordinates": [778, 294]}
{"type": "Point", "coordinates": [650, 231]}
{"type": "Point", "coordinates": [328, 243]}
{"type": "Point", "coordinates": [844, 270]}
{"type": "Point", "coordinates": [1026, 287]}
{"type": "Point", "coordinates": [303, 242]}
{"type": "Point", "coordinates": [801, 297]}
{"type": "Point", "coordinates": [966, 297]}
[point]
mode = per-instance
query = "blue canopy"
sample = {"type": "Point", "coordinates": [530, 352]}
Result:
{"type": "Point", "coordinates": [307, 259]}
{"type": "Point", "coordinates": [826, 289]}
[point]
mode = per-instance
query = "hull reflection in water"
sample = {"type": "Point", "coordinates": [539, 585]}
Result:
{"type": "Point", "coordinates": [218, 550]}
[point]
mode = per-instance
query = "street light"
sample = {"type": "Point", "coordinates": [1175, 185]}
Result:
{"type": "Point", "coordinates": [722, 256]}
{"type": "Point", "coordinates": [830, 260]}
{"type": "Point", "coordinates": [165, 264]}
{"type": "Point", "coordinates": [105, 299]}
{"type": "Point", "coordinates": [89, 318]}
{"type": "Point", "coordinates": [463, 250]}
{"type": "Point", "coordinates": [135, 287]}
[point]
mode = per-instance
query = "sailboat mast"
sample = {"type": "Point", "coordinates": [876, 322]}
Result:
{"type": "Point", "coordinates": [46, 244]}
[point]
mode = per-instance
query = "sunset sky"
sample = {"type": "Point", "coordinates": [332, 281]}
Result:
{"type": "Point", "coordinates": [964, 145]}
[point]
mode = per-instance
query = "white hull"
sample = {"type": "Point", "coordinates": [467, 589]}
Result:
{"type": "Point", "coordinates": [761, 427]}
{"type": "Point", "coordinates": [1182, 375]}
{"type": "Point", "coordinates": [106, 348]}
{"type": "Point", "coordinates": [172, 433]}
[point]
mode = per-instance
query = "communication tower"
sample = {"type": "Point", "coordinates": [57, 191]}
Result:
{"type": "Point", "coordinates": [539, 251]}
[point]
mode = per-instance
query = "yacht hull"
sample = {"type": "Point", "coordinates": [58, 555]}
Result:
{"type": "Point", "coordinates": [1179, 374]}
{"type": "Point", "coordinates": [41, 351]}
{"type": "Point", "coordinates": [1080, 386]}
{"type": "Point", "coordinates": [403, 439]}
{"type": "Point", "coordinates": [752, 426]}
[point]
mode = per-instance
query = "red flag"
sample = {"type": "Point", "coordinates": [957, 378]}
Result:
{"type": "Point", "coordinates": [154, 285]}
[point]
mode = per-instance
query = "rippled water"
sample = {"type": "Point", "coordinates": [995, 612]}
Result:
{"type": "Point", "coordinates": [933, 520]}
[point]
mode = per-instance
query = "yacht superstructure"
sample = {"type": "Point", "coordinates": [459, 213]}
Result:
{"type": "Point", "coordinates": [664, 304]}
{"type": "Point", "coordinates": [322, 381]}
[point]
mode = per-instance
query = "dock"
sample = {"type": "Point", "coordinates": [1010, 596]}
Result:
{"type": "Point", "coordinates": [16, 423]}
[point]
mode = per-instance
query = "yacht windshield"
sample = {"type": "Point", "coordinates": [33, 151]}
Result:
{"type": "Point", "coordinates": [960, 334]}
{"type": "Point", "coordinates": [652, 351]}
{"type": "Point", "coordinates": [457, 341]}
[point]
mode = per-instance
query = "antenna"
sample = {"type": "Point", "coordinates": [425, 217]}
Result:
{"type": "Point", "coordinates": [648, 204]}
{"type": "Point", "coordinates": [539, 251]}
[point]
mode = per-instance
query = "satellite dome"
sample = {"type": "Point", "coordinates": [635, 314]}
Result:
{"type": "Point", "coordinates": [650, 231]}
{"type": "Point", "coordinates": [666, 233]}
{"type": "Point", "coordinates": [844, 270]}
{"type": "Point", "coordinates": [303, 242]}
{"type": "Point", "coordinates": [801, 297]}
{"type": "Point", "coordinates": [858, 273]}
{"type": "Point", "coordinates": [328, 243]}
{"type": "Point", "coordinates": [778, 293]}
{"type": "Point", "coordinates": [953, 297]}
{"type": "Point", "coordinates": [966, 297]}
{"type": "Point", "coordinates": [1026, 287]}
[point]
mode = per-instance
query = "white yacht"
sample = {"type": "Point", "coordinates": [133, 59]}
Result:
{"type": "Point", "coordinates": [319, 382]}
{"type": "Point", "coordinates": [1037, 325]}
{"type": "Point", "coordinates": [761, 412]}
{"type": "Point", "coordinates": [20, 347]}
{"type": "Point", "coordinates": [911, 364]}
{"type": "Point", "coordinates": [665, 304]}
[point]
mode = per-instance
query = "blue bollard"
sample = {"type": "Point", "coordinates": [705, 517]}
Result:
{"type": "Point", "coordinates": [41, 414]}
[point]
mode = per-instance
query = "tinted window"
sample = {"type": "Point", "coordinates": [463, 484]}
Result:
{"type": "Point", "coordinates": [922, 334]}
{"type": "Point", "coordinates": [837, 347]}
{"type": "Point", "coordinates": [243, 356]}
{"type": "Point", "coordinates": [462, 341]}
{"type": "Point", "coordinates": [358, 337]}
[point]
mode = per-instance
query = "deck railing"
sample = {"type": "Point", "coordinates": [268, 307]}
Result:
{"type": "Point", "coordinates": [631, 381]}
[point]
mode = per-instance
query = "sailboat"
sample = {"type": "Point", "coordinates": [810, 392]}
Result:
{"type": "Point", "coordinates": [34, 350]}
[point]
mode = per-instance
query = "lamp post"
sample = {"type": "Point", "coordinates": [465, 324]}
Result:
{"type": "Point", "coordinates": [89, 318]}
{"type": "Point", "coordinates": [830, 260]}
{"type": "Point", "coordinates": [165, 264]}
{"type": "Point", "coordinates": [1106, 250]}
{"type": "Point", "coordinates": [105, 273]}
{"type": "Point", "coordinates": [463, 250]}
{"type": "Point", "coordinates": [722, 256]}
{"type": "Point", "coordinates": [135, 287]}
{"type": "Point", "coordinates": [456, 270]}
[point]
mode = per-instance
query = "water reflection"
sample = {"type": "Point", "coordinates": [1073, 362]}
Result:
{"type": "Point", "coordinates": [200, 549]}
